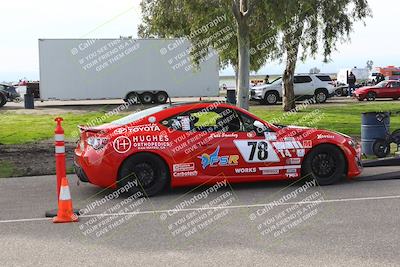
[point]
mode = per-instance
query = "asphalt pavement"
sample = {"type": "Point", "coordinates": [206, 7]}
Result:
{"type": "Point", "coordinates": [354, 223]}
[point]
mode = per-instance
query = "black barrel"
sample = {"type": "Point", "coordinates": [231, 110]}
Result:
{"type": "Point", "coordinates": [372, 129]}
{"type": "Point", "coordinates": [29, 99]}
{"type": "Point", "coordinates": [231, 96]}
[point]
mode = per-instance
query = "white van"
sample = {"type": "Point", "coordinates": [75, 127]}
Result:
{"type": "Point", "coordinates": [319, 86]}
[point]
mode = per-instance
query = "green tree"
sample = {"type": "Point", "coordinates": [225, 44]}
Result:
{"type": "Point", "coordinates": [246, 22]}
{"type": "Point", "coordinates": [306, 25]}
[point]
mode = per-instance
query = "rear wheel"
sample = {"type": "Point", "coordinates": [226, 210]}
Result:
{"type": "Point", "coordinates": [371, 96]}
{"type": "Point", "coordinates": [161, 97]}
{"type": "Point", "coordinates": [3, 100]}
{"type": "Point", "coordinates": [326, 164]}
{"type": "Point", "coordinates": [381, 148]}
{"type": "Point", "coordinates": [146, 98]}
{"type": "Point", "coordinates": [145, 172]}
{"type": "Point", "coordinates": [321, 95]}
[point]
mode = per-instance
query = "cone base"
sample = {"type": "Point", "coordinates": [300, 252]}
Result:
{"type": "Point", "coordinates": [53, 213]}
{"type": "Point", "coordinates": [72, 218]}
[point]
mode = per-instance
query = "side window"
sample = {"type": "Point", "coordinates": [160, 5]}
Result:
{"type": "Point", "coordinates": [248, 123]}
{"type": "Point", "coordinates": [217, 120]}
{"type": "Point", "coordinates": [2, 87]}
{"type": "Point", "coordinates": [302, 79]}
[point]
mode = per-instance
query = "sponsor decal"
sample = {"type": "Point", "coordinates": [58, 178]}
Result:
{"type": "Point", "coordinates": [289, 139]}
{"type": "Point", "coordinates": [120, 131]}
{"type": "Point", "coordinates": [144, 128]}
{"type": "Point", "coordinates": [293, 161]}
{"type": "Point", "coordinates": [300, 152]}
{"type": "Point", "coordinates": [183, 167]}
{"type": "Point", "coordinates": [256, 151]}
{"type": "Point", "coordinates": [152, 119]}
{"type": "Point", "coordinates": [307, 144]}
{"type": "Point", "coordinates": [224, 135]}
{"type": "Point", "coordinates": [150, 138]}
{"type": "Point", "coordinates": [270, 136]}
{"type": "Point", "coordinates": [291, 171]}
{"type": "Point", "coordinates": [324, 136]}
{"type": "Point", "coordinates": [251, 134]}
{"type": "Point", "coordinates": [214, 160]}
{"type": "Point", "coordinates": [185, 173]}
{"type": "Point", "coordinates": [270, 172]}
{"type": "Point", "coordinates": [291, 175]}
{"type": "Point", "coordinates": [246, 170]}
{"type": "Point", "coordinates": [122, 144]}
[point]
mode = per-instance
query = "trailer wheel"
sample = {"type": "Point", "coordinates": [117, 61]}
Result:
{"type": "Point", "coordinates": [161, 97]}
{"type": "Point", "coordinates": [133, 98]}
{"type": "Point", "coordinates": [146, 98]}
{"type": "Point", "coordinates": [3, 100]}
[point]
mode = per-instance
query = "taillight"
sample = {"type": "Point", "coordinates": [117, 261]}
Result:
{"type": "Point", "coordinates": [97, 142]}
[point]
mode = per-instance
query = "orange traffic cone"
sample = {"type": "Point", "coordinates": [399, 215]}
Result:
{"type": "Point", "coordinates": [65, 212]}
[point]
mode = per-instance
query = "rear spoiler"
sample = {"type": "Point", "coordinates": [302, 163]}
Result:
{"type": "Point", "coordinates": [83, 128]}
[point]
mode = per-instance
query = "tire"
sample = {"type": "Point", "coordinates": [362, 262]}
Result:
{"type": "Point", "coordinates": [3, 100]}
{"type": "Point", "coordinates": [326, 164]}
{"type": "Point", "coordinates": [146, 170]}
{"type": "Point", "coordinates": [270, 98]}
{"type": "Point", "coordinates": [146, 98]}
{"type": "Point", "coordinates": [360, 99]}
{"type": "Point", "coordinates": [321, 95]}
{"type": "Point", "coordinates": [371, 96]}
{"type": "Point", "coordinates": [381, 148]}
{"type": "Point", "coordinates": [161, 97]}
{"type": "Point", "coordinates": [339, 92]}
{"type": "Point", "coordinates": [133, 98]}
{"type": "Point", "coordinates": [395, 98]}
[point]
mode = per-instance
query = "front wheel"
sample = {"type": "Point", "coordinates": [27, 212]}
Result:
{"type": "Point", "coordinates": [270, 98]}
{"type": "Point", "coordinates": [145, 173]}
{"type": "Point", "coordinates": [326, 164]}
{"type": "Point", "coordinates": [381, 148]}
{"type": "Point", "coordinates": [371, 96]}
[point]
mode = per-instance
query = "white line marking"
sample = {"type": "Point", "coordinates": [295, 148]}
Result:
{"type": "Point", "coordinates": [210, 208]}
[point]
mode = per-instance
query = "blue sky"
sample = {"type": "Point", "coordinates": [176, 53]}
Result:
{"type": "Point", "coordinates": [24, 22]}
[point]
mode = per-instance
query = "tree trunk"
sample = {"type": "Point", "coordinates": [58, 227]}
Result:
{"type": "Point", "coordinates": [288, 100]}
{"type": "Point", "coordinates": [244, 63]}
{"type": "Point", "coordinates": [292, 43]}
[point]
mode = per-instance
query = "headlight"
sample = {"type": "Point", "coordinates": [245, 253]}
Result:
{"type": "Point", "coordinates": [97, 142]}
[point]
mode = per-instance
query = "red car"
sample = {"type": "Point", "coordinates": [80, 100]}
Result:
{"type": "Point", "coordinates": [203, 143]}
{"type": "Point", "coordinates": [385, 89]}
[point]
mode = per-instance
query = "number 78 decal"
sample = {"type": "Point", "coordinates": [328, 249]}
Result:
{"type": "Point", "coordinates": [256, 151]}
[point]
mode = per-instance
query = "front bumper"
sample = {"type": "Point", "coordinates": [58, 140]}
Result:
{"type": "Point", "coordinates": [256, 95]}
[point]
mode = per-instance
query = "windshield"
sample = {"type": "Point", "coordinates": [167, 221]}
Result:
{"type": "Point", "coordinates": [139, 115]}
{"type": "Point", "coordinates": [277, 80]}
{"type": "Point", "coordinates": [381, 84]}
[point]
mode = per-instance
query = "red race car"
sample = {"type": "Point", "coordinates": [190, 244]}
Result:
{"type": "Point", "coordinates": [203, 143]}
{"type": "Point", "coordinates": [385, 89]}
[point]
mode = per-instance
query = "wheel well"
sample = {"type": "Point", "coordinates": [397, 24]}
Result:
{"type": "Point", "coordinates": [333, 145]}
{"type": "Point", "coordinates": [321, 89]}
{"type": "Point", "coordinates": [154, 154]}
{"type": "Point", "coordinates": [272, 91]}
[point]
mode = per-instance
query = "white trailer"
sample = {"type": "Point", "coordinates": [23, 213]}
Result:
{"type": "Point", "coordinates": [147, 69]}
{"type": "Point", "coordinates": [361, 75]}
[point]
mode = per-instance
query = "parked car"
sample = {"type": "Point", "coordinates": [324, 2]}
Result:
{"type": "Point", "coordinates": [197, 143]}
{"type": "Point", "coordinates": [385, 89]}
{"type": "Point", "coordinates": [8, 93]}
{"type": "Point", "coordinates": [319, 86]}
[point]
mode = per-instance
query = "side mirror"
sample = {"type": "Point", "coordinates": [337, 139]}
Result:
{"type": "Point", "coordinates": [260, 127]}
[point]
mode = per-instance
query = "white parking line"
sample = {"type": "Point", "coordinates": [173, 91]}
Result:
{"type": "Point", "coordinates": [209, 208]}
